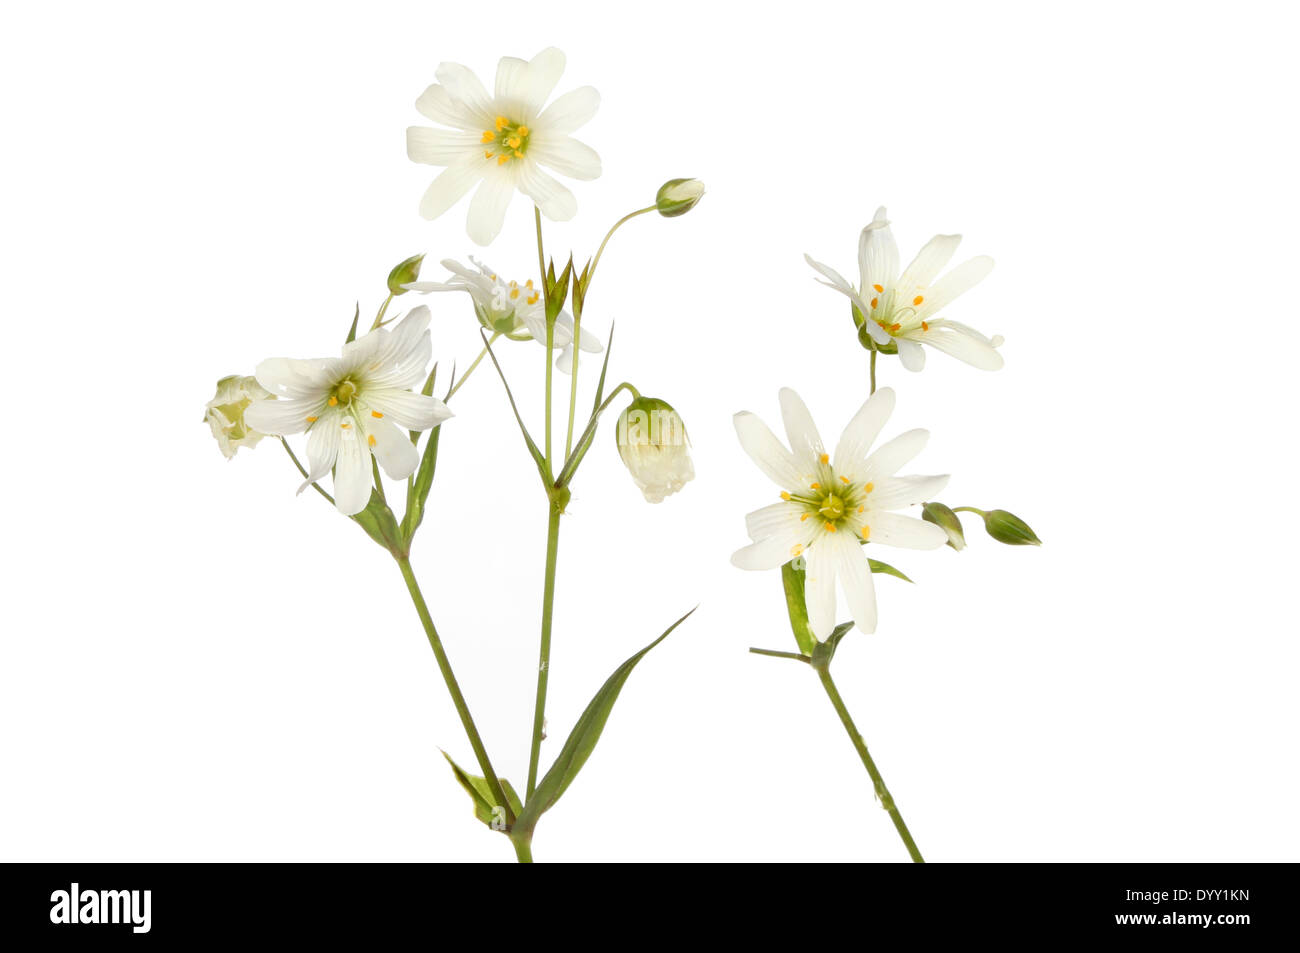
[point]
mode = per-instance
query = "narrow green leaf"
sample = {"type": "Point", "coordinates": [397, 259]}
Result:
{"type": "Point", "coordinates": [537, 456]}
{"type": "Point", "coordinates": [825, 651]}
{"type": "Point", "coordinates": [878, 566]}
{"type": "Point", "coordinates": [486, 808]}
{"type": "Point", "coordinates": [600, 386]}
{"type": "Point", "coordinates": [792, 577]}
{"type": "Point", "coordinates": [582, 740]}
{"type": "Point", "coordinates": [380, 525]}
{"type": "Point", "coordinates": [352, 332]}
{"type": "Point", "coordinates": [419, 491]}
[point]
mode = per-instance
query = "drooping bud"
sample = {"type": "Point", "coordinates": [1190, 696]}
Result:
{"type": "Point", "coordinates": [1010, 529]}
{"type": "Point", "coordinates": [678, 196]}
{"type": "Point", "coordinates": [948, 521]}
{"type": "Point", "coordinates": [225, 413]}
{"type": "Point", "coordinates": [653, 444]}
{"type": "Point", "coordinates": [405, 273]}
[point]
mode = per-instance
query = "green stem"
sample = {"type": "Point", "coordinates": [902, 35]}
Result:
{"type": "Point", "coordinates": [873, 370]}
{"type": "Point", "coordinates": [464, 377]}
{"type": "Point", "coordinates": [612, 229]}
{"type": "Point", "coordinates": [303, 470]}
{"type": "Point", "coordinates": [379, 318]}
{"type": "Point", "coordinates": [882, 792]}
{"type": "Point", "coordinates": [573, 381]}
{"type": "Point", "coordinates": [523, 849]}
{"type": "Point", "coordinates": [544, 654]}
{"type": "Point", "coordinates": [453, 687]}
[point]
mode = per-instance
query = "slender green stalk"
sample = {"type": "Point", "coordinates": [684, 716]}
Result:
{"type": "Point", "coordinates": [464, 377]}
{"type": "Point", "coordinates": [612, 229]}
{"type": "Point", "coordinates": [544, 654]}
{"type": "Point", "coordinates": [873, 370]}
{"type": "Point", "coordinates": [379, 318]}
{"type": "Point", "coordinates": [523, 849]}
{"type": "Point", "coordinates": [303, 470]}
{"type": "Point", "coordinates": [573, 378]}
{"type": "Point", "coordinates": [453, 687]}
{"type": "Point", "coordinates": [882, 792]}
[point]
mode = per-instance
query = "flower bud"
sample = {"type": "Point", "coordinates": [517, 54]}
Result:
{"type": "Point", "coordinates": [653, 444]}
{"type": "Point", "coordinates": [405, 273]}
{"type": "Point", "coordinates": [678, 196]}
{"type": "Point", "coordinates": [948, 521]}
{"type": "Point", "coordinates": [225, 413]}
{"type": "Point", "coordinates": [1010, 529]}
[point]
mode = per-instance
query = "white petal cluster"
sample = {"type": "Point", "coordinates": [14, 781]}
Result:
{"type": "Point", "coordinates": [515, 310]}
{"type": "Point", "coordinates": [830, 506]}
{"type": "Point", "coordinates": [354, 406]}
{"type": "Point", "coordinates": [226, 410]}
{"type": "Point", "coordinates": [903, 308]}
{"type": "Point", "coordinates": [653, 445]}
{"type": "Point", "coordinates": [499, 142]}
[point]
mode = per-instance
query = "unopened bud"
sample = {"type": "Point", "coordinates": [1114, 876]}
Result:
{"type": "Point", "coordinates": [948, 521]}
{"type": "Point", "coordinates": [225, 413]}
{"type": "Point", "coordinates": [1010, 529]}
{"type": "Point", "coordinates": [405, 273]}
{"type": "Point", "coordinates": [652, 442]}
{"type": "Point", "coordinates": [678, 196]}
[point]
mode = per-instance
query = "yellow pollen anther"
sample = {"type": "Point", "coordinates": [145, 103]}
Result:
{"type": "Point", "coordinates": [370, 440]}
{"type": "Point", "coordinates": [874, 302]}
{"type": "Point", "coordinates": [518, 154]}
{"type": "Point", "coordinates": [868, 488]}
{"type": "Point", "coordinates": [345, 426]}
{"type": "Point", "coordinates": [880, 289]}
{"type": "Point", "coordinates": [514, 142]}
{"type": "Point", "coordinates": [816, 486]}
{"type": "Point", "coordinates": [488, 155]}
{"type": "Point", "coordinates": [502, 160]}
{"type": "Point", "coordinates": [514, 293]}
{"type": "Point", "coordinates": [312, 420]}
{"type": "Point", "coordinates": [925, 326]}
{"type": "Point", "coordinates": [918, 299]}
{"type": "Point", "coordinates": [502, 122]}
{"type": "Point", "coordinates": [844, 480]}
{"type": "Point", "coordinates": [831, 527]}
{"type": "Point", "coordinates": [334, 401]}
{"type": "Point", "coordinates": [895, 327]}
{"type": "Point", "coordinates": [377, 415]}
{"type": "Point", "coordinates": [528, 283]}
{"type": "Point", "coordinates": [866, 532]}
{"type": "Point", "coordinates": [785, 496]}
{"type": "Point", "coordinates": [861, 509]}
{"type": "Point", "coordinates": [534, 299]}
{"type": "Point", "coordinates": [825, 458]}
{"type": "Point", "coordinates": [804, 517]}
{"type": "Point", "coordinates": [796, 549]}
{"type": "Point", "coordinates": [488, 136]}
{"type": "Point", "coordinates": [523, 130]}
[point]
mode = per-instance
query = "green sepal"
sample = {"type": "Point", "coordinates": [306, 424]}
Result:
{"type": "Point", "coordinates": [878, 566]}
{"type": "Point", "coordinates": [792, 578]}
{"type": "Point", "coordinates": [419, 492]}
{"type": "Point", "coordinates": [557, 291]}
{"type": "Point", "coordinates": [536, 454]}
{"type": "Point", "coordinates": [825, 651]}
{"type": "Point", "coordinates": [381, 526]}
{"type": "Point", "coordinates": [582, 740]}
{"type": "Point", "coordinates": [352, 332]}
{"type": "Point", "coordinates": [485, 799]}
{"type": "Point", "coordinates": [1010, 529]}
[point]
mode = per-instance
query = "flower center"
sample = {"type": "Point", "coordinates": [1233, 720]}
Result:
{"type": "Point", "coordinates": [508, 140]}
{"type": "Point", "coordinates": [832, 507]}
{"type": "Point", "coordinates": [344, 393]}
{"type": "Point", "coordinates": [834, 500]}
{"type": "Point", "coordinates": [896, 316]}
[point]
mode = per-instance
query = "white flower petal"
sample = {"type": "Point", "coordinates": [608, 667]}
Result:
{"type": "Point", "coordinates": [412, 411]}
{"type": "Point", "coordinates": [854, 574]}
{"type": "Point", "coordinates": [544, 71]}
{"type": "Point", "coordinates": [877, 254]}
{"type": "Point", "coordinates": [281, 417]}
{"type": "Point", "coordinates": [438, 104]}
{"type": "Point", "coordinates": [439, 146]}
{"type": "Point", "coordinates": [322, 448]}
{"type": "Point", "coordinates": [894, 493]}
{"type": "Point", "coordinates": [567, 156]}
{"type": "Point", "coordinates": [862, 431]}
{"type": "Point", "coordinates": [801, 431]}
{"type": "Point", "coordinates": [290, 377]}
{"type": "Point", "coordinates": [819, 583]}
{"type": "Point", "coordinates": [779, 519]}
{"type": "Point", "coordinates": [570, 112]}
{"type": "Point", "coordinates": [511, 82]}
{"type": "Point", "coordinates": [955, 283]}
{"type": "Point", "coordinates": [391, 447]}
{"type": "Point", "coordinates": [352, 474]}
{"type": "Point", "coordinates": [963, 343]}
{"type": "Point", "coordinates": [833, 278]}
{"type": "Point", "coordinates": [905, 532]}
{"type": "Point", "coordinates": [894, 454]}
{"type": "Point", "coordinates": [766, 451]}
{"type": "Point", "coordinates": [929, 261]}
{"type": "Point", "coordinates": [461, 83]}
{"type": "Point", "coordinates": [487, 210]}
{"type": "Point", "coordinates": [564, 363]}
{"type": "Point", "coordinates": [450, 186]}
{"type": "Point", "coordinates": [910, 353]}
{"type": "Point", "coordinates": [555, 200]}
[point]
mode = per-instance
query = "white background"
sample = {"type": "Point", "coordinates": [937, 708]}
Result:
{"type": "Point", "coordinates": [196, 664]}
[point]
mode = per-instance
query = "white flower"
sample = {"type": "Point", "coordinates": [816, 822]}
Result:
{"type": "Point", "coordinates": [225, 413]}
{"type": "Point", "coordinates": [902, 308]}
{"type": "Point", "coordinates": [830, 506]}
{"type": "Point", "coordinates": [653, 444]}
{"type": "Point", "coordinates": [353, 406]}
{"type": "Point", "coordinates": [515, 310]}
{"type": "Point", "coordinates": [499, 142]}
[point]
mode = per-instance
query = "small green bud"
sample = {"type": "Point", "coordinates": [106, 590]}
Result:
{"type": "Point", "coordinates": [948, 521]}
{"type": "Point", "coordinates": [678, 196]}
{"type": "Point", "coordinates": [653, 445]}
{"type": "Point", "coordinates": [1010, 529]}
{"type": "Point", "coordinates": [225, 413]}
{"type": "Point", "coordinates": [405, 273]}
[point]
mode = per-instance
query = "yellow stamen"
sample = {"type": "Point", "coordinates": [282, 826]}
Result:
{"type": "Point", "coordinates": [377, 415]}
{"type": "Point", "coordinates": [514, 293]}
{"type": "Point", "coordinates": [370, 440]}
{"type": "Point", "coordinates": [513, 142]}
{"type": "Point", "coordinates": [523, 131]}
{"type": "Point", "coordinates": [488, 136]}
{"type": "Point", "coordinates": [925, 326]}
{"type": "Point", "coordinates": [502, 122]}
{"type": "Point", "coordinates": [879, 289]}
{"type": "Point", "coordinates": [334, 401]}
{"type": "Point", "coordinates": [861, 509]}
{"type": "Point", "coordinates": [831, 527]}
{"type": "Point", "coordinates": [844, 480]}
{"type": "Point", "coordinates": [804, 517]}
{"type": "Point", "coordinates": [895, 327]}
{"type": "Point", "coordinates": [796, 549]}
{"type": "Point", "coordinates": [502, 160]}
{"type": "Point", "coordinates": [825, 458]}
{"type": "Point", "coordinates": [868, 488]}
{"type": "Point", "coordinates": [874, 302]}
{"type": "Point", "coordinates": [345, 426]}
{"type": "Point", "coordinates": [785, 496]}
{"type": "Point", "coordinates": [816, 486]}
{"type": "Point", "coordinates": [528, 283]}
{"type": "Point", "coordinates": [534, 299]}
{"type": "Point", "coordinates": [312, 420]}
{"type": "Point", "coordinates": [866, 532]}
{"type": "Point", "coordinates": [488, 155]}
{"type": "Point", "coordinates": [918, 299]}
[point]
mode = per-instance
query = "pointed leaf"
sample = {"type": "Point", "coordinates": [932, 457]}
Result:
{"type": "Point", "coordinates": [582, 740]}
{"type": "Point", "coordinates": [419, 492]}
{"type": "Point", "coordinates": [352, 333]}
{"type": "Point", "coordinates": [486, 808]}
{"type": "Point", "coordinates": [825, 651]}
{"type": "Point", "coordinates": [792, 577]}
{"type": "Point", "coordinates": [532, 447]}
{"type": "Point", "coordinates": [878, 566]}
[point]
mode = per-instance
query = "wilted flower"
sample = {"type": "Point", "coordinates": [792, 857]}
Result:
{"type": "Point", "coordinates": [225, 413]}
{"type": "Point", "coordinates": [653, 444]}
{"type": "Point", "coordinates": [830, 507]}
{"type": "Point", "coordinates": [500, 142]}
{"type": "Point", "coordinates": [353, 406]}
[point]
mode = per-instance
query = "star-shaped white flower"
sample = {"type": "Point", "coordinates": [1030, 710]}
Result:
{"type": "Point", "coordinates": [829, 507]}
{"type": "Point", "coordinates": [903, 308]}
{"type": "Point", "coordinates": [499, 142]}
{"type": "Point", "coordinates": [515, 310]}
{"type": "Point", "coordinates": [353, 406]}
